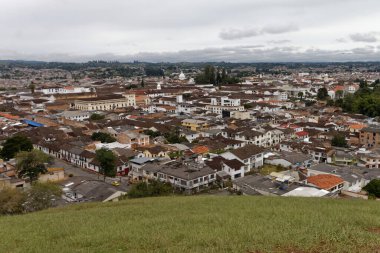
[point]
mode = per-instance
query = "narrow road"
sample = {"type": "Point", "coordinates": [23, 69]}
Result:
{"type": "Point", "coordinates": [79, 172]}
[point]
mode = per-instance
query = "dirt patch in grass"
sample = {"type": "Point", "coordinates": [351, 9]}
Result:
{"type": "Point", "coordinates": [375, 230]}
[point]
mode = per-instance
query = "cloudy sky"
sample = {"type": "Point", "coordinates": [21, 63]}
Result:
{"type": "Point", "coordinates": [190, 30]}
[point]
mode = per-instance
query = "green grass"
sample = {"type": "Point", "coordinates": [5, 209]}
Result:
{"type": "Point", "coordinates": [268, 168]}
{"type": "Point", "coordinates": [199, 224]}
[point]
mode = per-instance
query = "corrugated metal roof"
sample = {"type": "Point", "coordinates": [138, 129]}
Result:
{"type": "Point", "coordinates": [32, 123]}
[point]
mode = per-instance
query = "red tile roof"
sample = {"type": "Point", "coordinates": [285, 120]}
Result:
{"type": "Point", "coordinates": [325, 181]}
{"type": "Point", "coordinates": [200, 150]}
{"type": "Point", "coordinates": [302, 133]}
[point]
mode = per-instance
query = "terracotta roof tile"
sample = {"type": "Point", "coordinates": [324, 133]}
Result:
{"type": "Point", "coordinates": [325, 181]}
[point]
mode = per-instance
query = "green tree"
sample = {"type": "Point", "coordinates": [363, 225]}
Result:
{"type": "Point", "coordinates": [300, 95]}
{"type": "Point", "coordinates": [224, 76]}
{"type": "Point", "coordinates": [365, 101]}
{"type": "Point", "coordinates": [103, 137]}
{"type": "Point", "coordinates": [174, 136]}
{"type": "Point", "coordinates": [152, 189]}
{"type": "Point", "coordinates": [107, 161]}
{"type": "Point", "coordinates": [247, 106]}
{"type": "Point", "coordinates": [31, 164]}
{"type": "Point", "coordinates": [339, 140]}
{"type": "Point", "coordinates": [151, 133]}
{"type": "Point", "coordinates": [373, 188]}
{"type": "Point", "coordinates": [176, 154]}
{"type": "Point", "coordinates": [32, 88]}
{"type": "Point", "coordinates": [309, 102]}
{"type": "Point", "coordinates": [142, 84]}
{"type": "Point", "coordinates": [363, 83]}
{"type": "Point", "coordinates": [322, 94]}
{"type": "Point", "coordinates": [208, 75]}
{"type": "Point", "coordinates": [15, 144]}
{"type": "Point", "coordinates": [219, 79]}
{"type": "Point", "coordinates": [339, 94]}
{"type": "Point", "coordinates": [330, 102]}
{"type": "Point", "coordinates": [96, 116]}
{"type": "Point", "coordinates": [42, 196]}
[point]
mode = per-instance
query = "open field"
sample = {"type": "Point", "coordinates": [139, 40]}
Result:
{"type": "Point", "coordinates": [199, 224]}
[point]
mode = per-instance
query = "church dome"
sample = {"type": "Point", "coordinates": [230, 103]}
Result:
{"type": "Point", "coordinates": [182, 76]}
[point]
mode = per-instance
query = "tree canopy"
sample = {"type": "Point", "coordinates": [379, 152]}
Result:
{"type": "Point", "coordinates": [102, 137]}
{"type": "Point", "coordinates": [373, 188]}
{"type": "Point", "coordinates": [154, 71]}
{"type": "Point", "coordinates": [107, 161]}
{"type": "Point", "coordinates": [96, 116]}
{"type": "Point", "coordinates": [31, 164]}
{"type": "Point", "coordinates": [15, 144]}
{"type": "Point", "coordinates": [322, 94]}
{"type": "Point", "coordinates": [39, 196]}
{"type": "Point", "coordinates": [174, 137]}
{"type": "Point", "coordinates": [215, 76]}
{"type": "Point", "coordinates": [152, 189]}
{"type": "Point", "coordinates": [339, 141]}
{"type": "Point", "coordinates": [365, 101]}
{"type": "Point", "coordinates": [42, 196]}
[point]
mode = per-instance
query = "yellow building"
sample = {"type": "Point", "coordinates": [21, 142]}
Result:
{"type": "Point", "coordinates": [195, 124]}
{"type": "Point", "coordinates": [105, 103]}
{"type": "Point", "coordinates": [52, 175]}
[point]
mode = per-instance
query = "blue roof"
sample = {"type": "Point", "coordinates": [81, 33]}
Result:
{"type": "Point", "coordinates": [32, 123]}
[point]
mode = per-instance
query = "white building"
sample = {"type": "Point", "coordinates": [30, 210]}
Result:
{"type": "Point", "coordinates": [66, 90]}
{"type": "Point", "coordinates": [76, 115]}
{"type": "Point", "coordinates": [106, 103]}
{"type": "Point", "coordinates": [250, 155]}
{"type": "Point", "coordinates": [225, 104]}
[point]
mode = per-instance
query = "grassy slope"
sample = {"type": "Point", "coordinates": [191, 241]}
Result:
{"type": "Point", "coordinates": [199, 224]}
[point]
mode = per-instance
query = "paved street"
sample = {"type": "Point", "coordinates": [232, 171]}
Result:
{"type": "Point", "coordinates": [79, 172]}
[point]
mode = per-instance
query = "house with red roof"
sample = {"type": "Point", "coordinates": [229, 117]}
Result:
{"type": "Point", "coordinates": [326, 182]}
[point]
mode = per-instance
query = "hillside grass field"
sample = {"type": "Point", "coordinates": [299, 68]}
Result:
{"type": "Point", "coordinates": [199, 224]}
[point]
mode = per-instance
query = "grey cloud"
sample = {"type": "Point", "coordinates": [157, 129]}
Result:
{"type": "Point", "coordinates": [363, 50]}
{"type": "Point", "coordinates": [341, 40]}
{"type": "Point", "coordinates": [236, 34]}
{"type": "Point", "coordinates": [228, 54]}
{"type": "Point", "coordinates": [279, 41]}
{"type": "Point", "coordinates": [279, 29]}
{"type": "Point", "coordinates": [364, 37]}
{"type": "Point", "coordinates": [80, 30]}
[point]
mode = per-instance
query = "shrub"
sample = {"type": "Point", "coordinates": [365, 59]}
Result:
{"type": "Point", "coordinates": [42, 196]}
{"type": "Point", "coordinates": [373, 188]}
{"type": "Point", "coordinates": [11, 201]}
{"type": "Point", "coordinates": [152, 189]}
